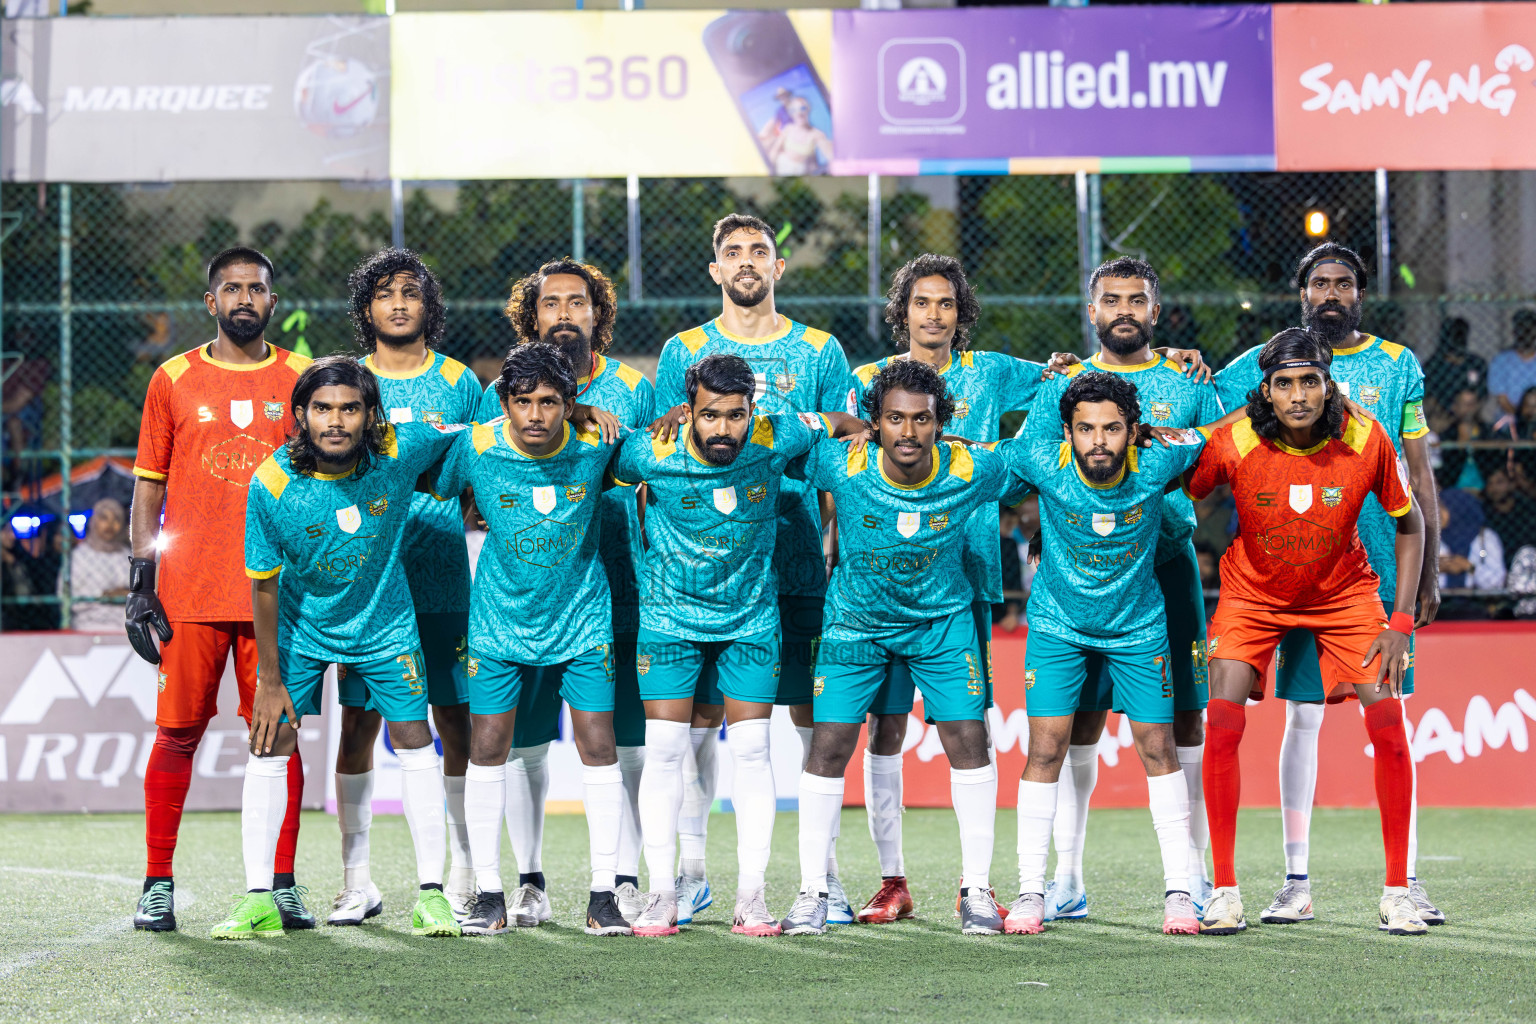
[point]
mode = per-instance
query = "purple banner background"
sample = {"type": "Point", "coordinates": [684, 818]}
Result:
{"type": "Point", "coordinates": [945, 85]}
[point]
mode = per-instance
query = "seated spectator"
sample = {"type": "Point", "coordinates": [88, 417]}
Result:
{"type": "Point", "coordinates": [98, 567]}
{"type": "Point", "coordinates": [1522, 427]}
{"type": "Point", "coordinates": [1509, 514]}
{"type": "Point", "coordinates": [1463, 423]}
{"type": "Point", "coordinates": [1471, 555]}
{"type": "Point", "coordinates": [1451, 368]}
{"type": "Point", "coordinates": [1513, 371]}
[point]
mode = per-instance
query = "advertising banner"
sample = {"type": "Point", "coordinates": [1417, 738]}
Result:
{"type": "Point", "coordinates": [1470, 727]}
{"type": "Point", "coordinates": [1020, 90]}
{"type": "Point", "coordinates": [77, 721]}
{"type": "Point", "coordinates": [1437, 86]}
{"type": "Point", "coordinates": [528, 94]}
{"type": "Point", "coordinates": [195, 99]}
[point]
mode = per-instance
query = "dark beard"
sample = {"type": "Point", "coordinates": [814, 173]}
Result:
{"type": "Point", "coordinates": [1330, 331]}
{"type": "Point", "coordinates": [242, 330]}
{"type": "Point", "coordinates": [744, 298]}
{"type": "Point", "coordinates": [715, 458]}
{"type": "Point", "coordinates": [1099, 476]}
{"type": "Point", "coordinates": [573, 343]}
{"type": "Point", "coordinates": [1124, 346]}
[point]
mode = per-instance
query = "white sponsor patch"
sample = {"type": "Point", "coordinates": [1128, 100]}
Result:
{"type": "Point", "coordinates": [241, 413]}
{"type": "Point", "coordinates": [1186, 437]}
{"type": "Point", "coordinates": [906, 523]}
{"type": "Point", "coordinates": [1103, 523]}
{"type": "Point", "coordinates": [1301, 497]}
{"type": "Point", "coordinates": [401, 415]}
{"type": "Point", "coordinates": [349, 518]}
{"type": "Point", "coordinates": [544, 499]}
{"type": "Point", "coordinates": [725, 499]}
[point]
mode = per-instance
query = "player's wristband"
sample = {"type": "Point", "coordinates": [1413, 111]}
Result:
{"type": "Point", "coordinates": [1400, 622]}
{"type": "Point", "coordinates": [141, 575]}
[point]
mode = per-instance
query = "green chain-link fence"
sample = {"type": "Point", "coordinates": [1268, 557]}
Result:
{"type": "Point", "coordinates": [104, 282]}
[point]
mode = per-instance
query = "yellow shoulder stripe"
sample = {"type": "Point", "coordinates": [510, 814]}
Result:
{"type": "Point", "coordinates": [1243, 437]}
{"type": "Point", "coordinates": [817, 338]}
{"type": "Point", "coordinates": [1356, 434]}
{"type": "Point", "coordinates": [1391, 348]}
{"type": "Point", "coordinates": [961, 464]}
{"type": "Point", "coordinates": [483, 436]}
{"type": "Point", "coordinates": [389, 446]}
{"type": "Point", "coordinates": [628, 374]}
{"type": "Point", "coordinates": [694, 338]}
{"type": "Point", "coordinates": [1064, 456]}
{"type": "Point", "coordinates": [1075, 369]}
{"type": "Point", "coordinates": [175, 366]}
{"type": "Point", "coordinates": [451, 370]}
{"type": "Point", "coordinates": [1133, 459]}
{"type": "Point", "coordinates": [663, 449]}
{"type": "Point", "coordinates": [272, 477]}
{"type": "Point", "coordinates": [1175, 367]}
{"type": "Point", "coordinates": [858, 461]}
{"type": "Point", "coordinates": [591, 436]}
{"type": "Point", "coordinates": [866, 373]}
{"type": "Point", "coordinates": [298, 363]}
{"type": "Point", "coordinates": [762, 431]}
{"type": "Point", "coordinates": [967, 358]}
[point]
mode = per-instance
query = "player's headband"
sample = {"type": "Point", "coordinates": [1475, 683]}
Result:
{"type": "Point", "coordinates": [1291, 364]}
{"type": "Point", "coordinates": [1334, 259]}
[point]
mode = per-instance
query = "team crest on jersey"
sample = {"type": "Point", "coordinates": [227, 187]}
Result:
{"type": "Point", "coordinates": [962, 408]}
{"type": "Point", "coordinates": [1210, 646]}
{"type": "Point", "coordinates": [402, 414]}
{"type": "Point", "coordinates": [783, 383]}
{"type": "Point", "coordinates": [471, 667]}
{"type": "Point", "coordinates": [575, 492]}
{"type": "Point", "coordinates": [1160, 410]}
{"type": "Point", "coordinates": [544, 499]}
{"type": "Point", "coordinates": [161, 682]}
{"type": "Point", "coordinates": [1103, 523]}
{"type": "Point", "coordinates": [725, 499]}
{"type": "Point", "coordinates": [273, 410]}
{"type": "Point", "coordinates": [938, 521]}
{"type": "Point", "coordinates": [818, 684]}
{"type": "Point", "coordinates": [643, 664]}
{"type": "Point", "coordinates": [906, 523]}
{"type": "Point", "coordinates": [1332, 496]}
{"type": "Point", "coordinates": [349, 518]}
{"type": "Point", "coordinates": [1029, 679]}
{"type": "Point", "coordinates": [378, 506]}
{"type": "Point", "coordinates": [432, 416]}
{"type": "Point", "coordinates": [1301, 497]}
{"type": "Point", "coordinates": [1133, 516]}
{"type": "Point", "coordinates": [241, 413]}
{"type": "Point", "coordinates": [756, 492]}
{"type": "Point", "coordinates": [1370, 394]}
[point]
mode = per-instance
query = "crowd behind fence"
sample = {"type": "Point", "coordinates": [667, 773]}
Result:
{"type": "Point", "coordinates": [101, 283]}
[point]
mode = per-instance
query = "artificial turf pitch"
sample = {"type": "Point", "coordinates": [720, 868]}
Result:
{"type": "Point", "coordinates": [68, 884]}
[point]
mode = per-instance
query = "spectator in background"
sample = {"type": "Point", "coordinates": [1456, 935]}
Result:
{"type": "Point", "coordinates": [1522, 427]}
{"type": "Point", "coordinates": [1513, 371]}
{"type": "Point", "coordinates": [20, 576]}
{"type": "Point", "coordinates": [1451, 368]}
{"type": "Point", "coordinates": [1025, 536]}
{"type": "Point", "coordinates": [1007, 614]}
{"type": "Point", "coordinates": [1463, 422]}
{"type": "Point", "coordinates": [1509, 514]}
{"type": "Point", "coordinates": [1210, 563]}
{"type": "Point", "coordinates": [99, 568]}
{"type": "Point", "coordinates": [1471, 556]}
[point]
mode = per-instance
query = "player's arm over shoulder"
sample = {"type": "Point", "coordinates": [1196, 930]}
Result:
{"type": "Point", "coordinates": [635, 458]}
{"type": "Point", "coordinates": [1213, 462]}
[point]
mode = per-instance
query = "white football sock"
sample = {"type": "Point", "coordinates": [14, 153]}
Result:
{"type": "Point", "coordinates": [1298, 781]}
{"type": "Point", "coordinates": [805, 732]}
{"type": "Point", "coordinates": [421, 777]}
{"type": "Point", "coordinates": [700, 774]}
{"type": "Point", "coordinates": [1190, 762]}
{"type": "Point", "coordinates": [263, 802]}
{"type": "Point", "coordinates": [461, 865]}
{"type": "Point", "coordinates": [1037, 810]}
{"type": "Point", "coordinates": [527, 786]}
{"type": "Point", "coordinates": [354, 812]}
{"type": "Point", "coordinates": [602, 789]}
{"type": "Point", "coordinates": [485, 800]}
{"type": "Point", "coordinates": [974, 794]}
{"type": "Point", "coordinates": [753, 798]}
{"type": "Point", "coordinates": [821, 804]}
{"type": "Point", "coordinates": [1080, 771]}
{"type": "Point", "coordinates": [631, 764]}
{"type": "Point", "coordinates": [1168, 796]}
{"type": "Point", "coordinates": [661, 797]}
{"type": "Point", "coordinates": [882, 805]}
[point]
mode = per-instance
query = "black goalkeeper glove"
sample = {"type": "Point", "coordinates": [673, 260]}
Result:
{"type": "Point", "coordinates": [145, 611]}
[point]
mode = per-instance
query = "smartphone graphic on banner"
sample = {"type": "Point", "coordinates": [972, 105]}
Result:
{"type": "Point", "coordinates": [777, 91]}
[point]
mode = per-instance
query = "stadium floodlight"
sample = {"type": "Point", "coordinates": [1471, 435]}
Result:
{"type": "Point", "coordinates": [1317, 223]}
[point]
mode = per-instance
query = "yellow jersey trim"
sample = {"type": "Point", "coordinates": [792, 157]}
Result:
{"type": "Point", "coordinates": [628, 374]}
{"type": "Point", "coordinates": [565, 437]}
{"type": "Point", "coordinates": [483, 437]}
{"type": "Point", "coordinates": [262, 574]}
{"type": "Point", "coordinates": [1356, 434]}
{"type": "Point", "coordinates": [666, 449]}
{"type": "Point", "coordinates": [933, 471]}
{"type": "Point", "coordinates": [272, 477]}
{"type": "Point", "coordinates": [175, 366]}
{"type": "Point", "coordinates": [407, 375]}
{"type": "Point", "coordinates": [334, 476]}
{"type": "Point", "coordinates": [1391, 348]}
{"type": "Point", "coordinates": [1370, 339]}
{"type": "Point", "coordinates": [1244, 439]}
{"type": "Point", "coordinates": [599, 364]}
{"type": "Point", "coordinates": [1402, 511]}
{"type": "Point", "coordinates": [148, 474]}
{"type": "Point", "coordinates": [961, 464]}
{"type": "Point", "coordinates": [271, 358]}
{"type": "Point", "coordinates": [817, 338]}
{"type": "Point", "coordinates": [694, 338]}
{"type": "Point", "coordinates": [788, 325]}
{"type": "Point", "coordinates": [858, 461]}
{"type": "Point", "coordinates": [452, 370]}
{"type": "Point", "coordinates": [389, 445]}
{"type": "Point", "coordinates": [762, 432]}
{"type": "Point", "coordinates": [1094, 361]}
{"type": "Point", "coordinates": [866, 373]}
{"type": "Point", "coordinates": [298, 363]}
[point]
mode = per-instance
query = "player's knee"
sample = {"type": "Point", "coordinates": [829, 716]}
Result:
{"type": "Point", "coordinates": [965, 743]}
{"type": "Point", "coordinates": [749, 742]}
{"type": "Point", "coordinates": [409, 735]}
{"type": "Point", "coordinates": [832, 748]}
{"type": "Point", "coordinates": [180, 741]}
{"type": "Point", "coordinates": [594, 742]}
{"type": "Point", "coordinates": [452, 727]}
{"type": "Point", "coordinates": [1188, 728]}
{"type": "Point", "coordinates": [665, 743]}
{"type": "Point", "coordinates": [886, 734]}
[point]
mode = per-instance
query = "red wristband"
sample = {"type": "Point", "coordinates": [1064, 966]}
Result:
{"type": "Point", "coordinates": [1401, 622]}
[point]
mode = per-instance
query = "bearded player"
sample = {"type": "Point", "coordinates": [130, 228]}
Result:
{"type": "Point", "coordinates": [398, 319]}
{"type": "Point", "coordinates": [572, 306]}
{"type": "Point", "coordinates": [798, 370]}
{"type": "Point", "coordinates": [1384, 379]}
{"type": "Point", "coordinates": [1300, 468]}
{"type": "Point", "coordinates": [211, 416]}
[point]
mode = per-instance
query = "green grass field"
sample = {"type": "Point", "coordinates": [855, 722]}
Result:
{"type": "Point", "coordinates": [68, 883]}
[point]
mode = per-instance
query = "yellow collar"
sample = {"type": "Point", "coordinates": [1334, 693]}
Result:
{"type": "Point", "coordinates": [1370, 339]}
{"type": "Point", "coordinates": [271, 358]}
{"type": "Point", "coordinates": [933, 471]}
{"type": "Point", "coordinates": [1094, 361]}
{"type": "Point", "coordinates": [599, 364]}
{"type": "Point", "coordinates": [565, 437]}
{"type": "Point", "coordinates": [407, 375]}
{"type": "Point", "coordinates": [1302, 451]}
{"type": "Point", "coordinates": [785, 326]}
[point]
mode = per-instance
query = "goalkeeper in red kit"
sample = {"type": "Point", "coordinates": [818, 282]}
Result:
{"type": "Point", "coordinates": [212, 415]}
{"type": "Point", "coordinates": [1300, 467]}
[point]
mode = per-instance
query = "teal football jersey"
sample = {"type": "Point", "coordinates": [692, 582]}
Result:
{"type": "Point", "coordinates": [901, 558]}
{"type": "Point", "coordinates": [336, 545]}
{"type": "Point", "coordinates": [624, 391]}
{"type": "Point", "coordinates": [1168, 399]}
{"type": "Point", "coordinates": [1386, 379]}
{"type": "Point", "coordinates": [1095, 585]}
{"type": "Point", "coordinates": [436, 559]}
{"type": "Point", "coordinates": [709, 573]}
{"type": "Point", "coordinates": [799, 370]}
{"type": "Point", "coordinates": [540, 595]}
{"type": "Point", "coordinates": [984, 385]}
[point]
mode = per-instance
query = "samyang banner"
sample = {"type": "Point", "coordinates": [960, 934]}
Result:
{"type": "Point", "coordinates": [1018, 90]}
{"type": "Point", "coordinates": [195, 99]}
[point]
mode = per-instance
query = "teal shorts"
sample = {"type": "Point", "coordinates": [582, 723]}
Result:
{"type": "Point", "coordinates": [671, 668]}
{"type": "Point", "coordinates": [800, 626]}
{"type": "Point", "coordinates": [585, 682]}
{"type": "Point", "coordinates": [940, 658]}
{"type": "Point", "coordinates": [1184, 600]}
{"type": "Point", "coordinates": [1298, 675]}
{"type": "Point", "coordinates": [395, 687]}
{"type": "Point", "coordinates": [628, 709]}
{"type": "Point", "coordinates": [1056, 678]}
{"type": "Point", "coordinates": [444, 643]}
{"type": "Point", "coordinates": [896, 694]}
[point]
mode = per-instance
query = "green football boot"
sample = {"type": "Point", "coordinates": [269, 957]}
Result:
{"type": "Point", "coordinates": [434, 916]}
{"type": "Point", "coordinates": [255, 916]}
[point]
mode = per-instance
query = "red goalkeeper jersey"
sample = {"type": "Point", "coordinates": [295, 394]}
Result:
{"type": "Point", "coordinates": [207, 425]}
{"type": "Point", "coordinates": [1297, 547]}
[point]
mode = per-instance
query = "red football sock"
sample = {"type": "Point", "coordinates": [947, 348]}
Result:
{"type": "Point", "coordinates": [288, 838]}
{"type": "Point", "coordinates": [166, 780]}
{"type": "Point", "coordinates": [1394, 783]}
{"type": "Point", "coordinates": [1223, 783]}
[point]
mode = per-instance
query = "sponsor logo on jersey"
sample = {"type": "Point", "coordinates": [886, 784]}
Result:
{"type": "Point", "coordinates": [1301, 497]}
{"type": "Point", "coordinates": [974, 683]}
{"type": "Point", "coordinates": [902, 564]}
{"type": "Point", "coordinates": [813, 421]}
{"type": "Point", "coordinates": [1370, 394]}
{"type": "Point", "coordinates": [349, 518]}
{"type": "Point", "coordinates": [1160, 410]}
{"type": "Point", "coordinates": [784, 383]}
{"type": "Point", "coordinates": [818, 684]}
{"type": "Point", "coordinates": [575, 492]}
{"type": "Point", "coordinates": [241, 412]}
{"type": "Point", "coordinates": [1133, 516]}
{"type": "Point", "coordinates": [234, 459]}
{"type": "Point", "coordinates": [272, 410]}
{"type": "Point", "coordinates": [1299, 541]}
{"type": "Point", "coordinates": [938, 521]}
{"type": "Point", "coordinates": [962, 408]}
{"type": "Point", "coordinates": [643, 664]}
{"type": "Point", "coordinates": [906, 523]}
{"type": "Point", "coordinates": [432, 416]}
{"type": "Point", "coordinates": [756, 492]}
{"type": "Point", "coordinates": [544, 499]}
{"type": "Point", "coordinates": [1103, 560]}
{"type": "Point", "coordinates": [1103, 523]}
{"type": "Point", "coordinates": [378, 506]}
{"type": "Point", "coordinates": [547, 543]}
{"type": "Point", "coordinates": [1332, 496]}
{"type": "Point", "coordinates": [725, 499]}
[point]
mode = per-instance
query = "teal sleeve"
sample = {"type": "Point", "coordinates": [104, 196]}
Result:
{"type": "Point", "coordinates": [490, 405]}
{"type": "Point", "coordinates": [1170, 463]}
{"type": "Point", "coordinates": [1018, 381]}
{"type": "Point", "coordinates": [836, 379]}
{"type": "Point", "coordinates": [633, 458]}
{"type": "Point", "coordinates": [450, 477]}
{"type": "Point", "coordinates": [263, 550]}
{"type": "Point", "coordinates": [1239, 377]}
{"type": "Point", "coordinates": [821, 465]}
{"type": "Point", "coordinates": [466, 399]}
{"type": "Point", "coordinates": [670, 370]}
{"type": "Point", "coordinates": [1044, 420]}
{"type": "Point", "coordinates": [991, 474]}
{"type": "Point", "coordinates": [1026, 457]}
{"type": "Point", "coordinates": [418, 445]}
{"type": "Point", "coordinates": [1211, 406]}
{"type": "Point", "coordinates": [1412, 375]}
{"type": "Point", "coordinates": [645, 402]}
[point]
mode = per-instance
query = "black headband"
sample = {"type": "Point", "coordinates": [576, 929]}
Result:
{"type": "Point", "coordinates": [1291, 364]}
{"type": "Point", "coordinates": [1332, 259]}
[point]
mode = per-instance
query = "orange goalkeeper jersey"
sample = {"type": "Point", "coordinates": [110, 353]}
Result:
{"type": "Point", "coordinates": [1297, 547]}
{"type": "Point", "coordinates": [207, 425]}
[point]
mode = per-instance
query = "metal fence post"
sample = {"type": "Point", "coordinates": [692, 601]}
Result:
{"type": "Point", "coordinates": [1383, 237]}
{"type": "Point", "coordinates": [632, 192]}
{"type": "Point", "coordinates": [1095, 221]}
{"type": "Point", "coordinates": [873, 243]}
{"type": "Point", "coordinates": [1084, 259]}
{"type": "Point", "coordinates": [66, 396]}
{"type": "Point", "coordinates": [397, 213]}
{"type": "Point", "coordinates": [579, 221]}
